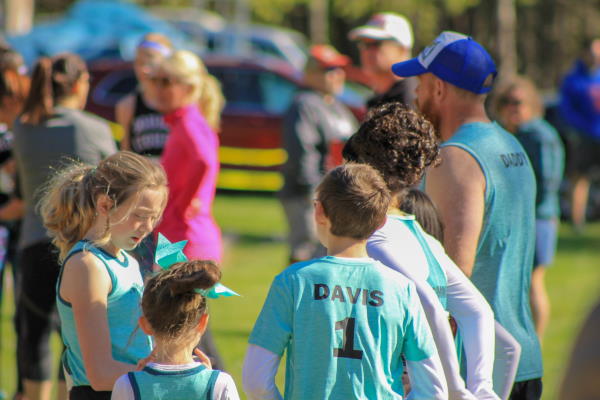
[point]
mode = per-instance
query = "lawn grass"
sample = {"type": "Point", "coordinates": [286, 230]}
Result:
{"type": "Point", "coordinates": [254, 228]}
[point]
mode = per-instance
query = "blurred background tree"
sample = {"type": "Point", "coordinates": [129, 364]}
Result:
{"type": "Point", "coordinates": [540, 38]}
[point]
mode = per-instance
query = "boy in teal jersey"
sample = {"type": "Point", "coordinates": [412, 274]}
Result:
{"type": "Point", "coordinates": [345, 320]}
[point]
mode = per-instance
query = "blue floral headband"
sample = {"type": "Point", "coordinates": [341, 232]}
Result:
{"type": "Point", "coordinates": [168, 253]}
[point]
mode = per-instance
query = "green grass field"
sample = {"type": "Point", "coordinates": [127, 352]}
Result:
{"type": "Point", "coordinates": [254, 228]}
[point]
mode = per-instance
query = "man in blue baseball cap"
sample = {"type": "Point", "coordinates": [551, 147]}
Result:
{"type": "Point", "coordinates": [485, 192]}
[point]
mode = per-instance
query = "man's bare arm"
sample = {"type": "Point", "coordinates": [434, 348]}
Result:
{"type": "Point", "coordinates": [457, 187]}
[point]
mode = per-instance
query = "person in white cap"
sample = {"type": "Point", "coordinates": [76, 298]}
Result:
{"type": "Point", "coordinates": [485, 191]}
{"type": "Point", "coordinates": [386, 39]}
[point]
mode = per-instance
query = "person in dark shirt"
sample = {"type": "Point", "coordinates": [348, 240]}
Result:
{"type": "Point", "coordinates": [315, 121]}
{"type": "Point", "coordinates": [386, 39]}
{"type": "Point", "coordinates": [144, 129]}
{"type": "Point", "coordinates": [519, 109]}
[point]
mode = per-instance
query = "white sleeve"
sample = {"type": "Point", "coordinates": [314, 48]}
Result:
{"type": "Point", "coordinates": [437, 317]}
{"type": "Point", "coordinates": [258, 374]}
{"type": "Point", "coordinates": [475, 320]}
{"type": "Point", "coordinates": [425, 380]}
{"type": "Point", "coordinates": [122, 389]}
{"type": "Point", "coordinates": [225, 388]}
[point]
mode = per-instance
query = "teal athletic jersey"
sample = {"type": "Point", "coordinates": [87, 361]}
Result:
{"type": "Point", "coordinates": [344, 323]}
{"type": "Point", "coordinates": [502, 270]}
{"type": "Point", "coordinates": [436, 277]}
{"type": "Point", "coordinates": [195, 383]}
{"type": "Point", "coordinates": [129, 344]}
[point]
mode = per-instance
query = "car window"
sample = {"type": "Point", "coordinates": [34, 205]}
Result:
{"type": "Point", "coordinates": [254, 90]}
{"type": "Point", "coordinates": [278, 92]}
{"type": "Point", "coordinates": [112, 87]}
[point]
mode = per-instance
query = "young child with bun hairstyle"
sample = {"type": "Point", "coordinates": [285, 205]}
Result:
{"type": "Point", "coordinates": [174, 309]}
{"type": "Point", "coordinates": [95, 214]}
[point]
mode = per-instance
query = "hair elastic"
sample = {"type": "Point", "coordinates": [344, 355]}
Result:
{"type": "Point", "coordinates": [161, 48]}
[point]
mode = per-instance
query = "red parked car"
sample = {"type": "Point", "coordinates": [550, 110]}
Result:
{"type": "Point", "coordinates": [258, 93]}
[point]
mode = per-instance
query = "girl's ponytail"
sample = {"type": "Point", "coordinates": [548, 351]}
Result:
{"type": "Point", "coordinates": [68, 208]}
{"type": "Point", "coordinates": [211, 101]}
{"type": "Point", "coordinates": [53, 79]}
{"type": "Point", "coordinates": [39, 104]}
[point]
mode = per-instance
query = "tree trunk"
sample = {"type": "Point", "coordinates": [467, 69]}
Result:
{"type": "Point", "coordinates": [18, 18]}
{"type": "Point", "coordinates": [507, 51]}
{"type": "Point", "coordinates": [319, 21]}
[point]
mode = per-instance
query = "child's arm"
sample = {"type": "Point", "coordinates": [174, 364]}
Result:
{"type": "Point", "coordinates": [258, 374]}
{"type": "Point", "coordinates": [268, 340]}
{"type": "Point", "coordinates": [388, 254]}
{"type": "Point", "coordinates": [475, 320]}
{"type": "Point", "coordinates": [225, 388]}
{"type": "Point", "coordinates": [122, 389]}
{"type": "Point", "coordinates": [86, 284]}
{"type": "Point", "coordinates": [424, 366]}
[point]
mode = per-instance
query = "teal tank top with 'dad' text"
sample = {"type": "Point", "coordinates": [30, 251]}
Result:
{"type": "Point", "coordinates": [502, 270]}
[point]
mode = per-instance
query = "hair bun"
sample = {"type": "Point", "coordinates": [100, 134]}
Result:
{"type": "Point", "coordinates": [191, 275]}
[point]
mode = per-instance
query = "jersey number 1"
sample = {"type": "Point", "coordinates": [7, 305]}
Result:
{"type": "Point", "coordinates": [348, 350]}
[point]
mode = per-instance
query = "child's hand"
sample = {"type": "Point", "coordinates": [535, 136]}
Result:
{"type": "Point", "coordinates": [142, 363]}
{"type": "Point", "coordinates": [203, 358]}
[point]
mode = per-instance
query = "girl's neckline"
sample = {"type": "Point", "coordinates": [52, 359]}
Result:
{"type": "Point", "coordinates": [122, 261]}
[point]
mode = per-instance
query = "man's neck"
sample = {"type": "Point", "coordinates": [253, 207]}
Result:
{"type": "Point", "coordinates": [460, 114]}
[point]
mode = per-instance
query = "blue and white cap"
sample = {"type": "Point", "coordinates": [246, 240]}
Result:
{"type": "Point", "coordinates": [456, 59]}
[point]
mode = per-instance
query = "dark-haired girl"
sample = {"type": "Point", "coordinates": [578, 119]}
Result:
{"type": "Point", "coordinates": [174, 313]}
{"type": "Point", "coordinates": [51, 129]}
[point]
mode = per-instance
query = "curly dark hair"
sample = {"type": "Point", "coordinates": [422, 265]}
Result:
{"type": "Point", "coordinates": [397, 141]}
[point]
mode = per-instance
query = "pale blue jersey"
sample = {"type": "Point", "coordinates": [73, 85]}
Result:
{"type": "Point", "coordinates": [345, 324]}
{"type": "Point", "coordinates": [192, 384]}
{"type": "Point", "coordinates": [128, 343]}
{"type": "Point", "coordinates": [504, 259]}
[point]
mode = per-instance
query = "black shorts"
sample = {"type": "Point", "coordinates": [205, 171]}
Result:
{"type": "Point", "coordinates": [527, 390]}
{"type": "Point", "coordinates": [87, 393]}
{"type": "Point", "coordinates": [583, 157]}
{"type": "Point", "coordinates": [37, 316]}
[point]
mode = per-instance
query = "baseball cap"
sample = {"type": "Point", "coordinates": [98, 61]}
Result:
{"type": "Point", "coordinates": [384, 26]}
{"type": "Point", "coordinates": [454, 58]}
{"type": "Point", "coordinates": [328, 57]}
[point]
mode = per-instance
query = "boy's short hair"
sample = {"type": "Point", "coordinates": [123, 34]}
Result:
{"type": "Point", "coordinates": [397, 141]}
{"type": "Point", "coordinates": [355, 199]}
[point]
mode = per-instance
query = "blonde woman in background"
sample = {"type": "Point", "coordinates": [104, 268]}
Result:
{"type": "Point", "coordinates": [190, 158]}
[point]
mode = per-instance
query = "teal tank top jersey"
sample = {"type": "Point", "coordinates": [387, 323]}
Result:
{"type": "Point", "coordinates": [129, 343]}
{"type": "Point", "coordinates": [437, 277]}
{"type": "Point", "coordinates": [195, 383]}
{"type": "Point", "coordinates": [502, 270]}
{"type": "Point", "coordinates": [344, 324]}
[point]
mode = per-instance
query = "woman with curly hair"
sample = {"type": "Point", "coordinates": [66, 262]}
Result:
{"type": "Point", "coordinates": [400, 143]}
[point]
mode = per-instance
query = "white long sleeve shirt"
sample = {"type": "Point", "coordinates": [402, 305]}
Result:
{"type": "Point", "coordinates": [398, 248]}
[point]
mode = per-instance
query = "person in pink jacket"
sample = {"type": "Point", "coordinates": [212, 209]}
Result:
{"type": "Point", "coordinates": [190, 157]}
{"type": "Point", "coordinates": [191, 101]}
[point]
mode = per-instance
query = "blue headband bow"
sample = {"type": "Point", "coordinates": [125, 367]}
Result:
{"type": "Point", "coordinates": [168, 253]}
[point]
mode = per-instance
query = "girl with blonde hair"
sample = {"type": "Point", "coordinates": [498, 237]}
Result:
{"type": "Point", "coordinates": [94, 216]}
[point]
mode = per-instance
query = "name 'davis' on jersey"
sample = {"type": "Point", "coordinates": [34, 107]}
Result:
{"type": "Point", "coordinates": [514, 159]}
{"type": "Point", "coordinates": [364, 296]}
